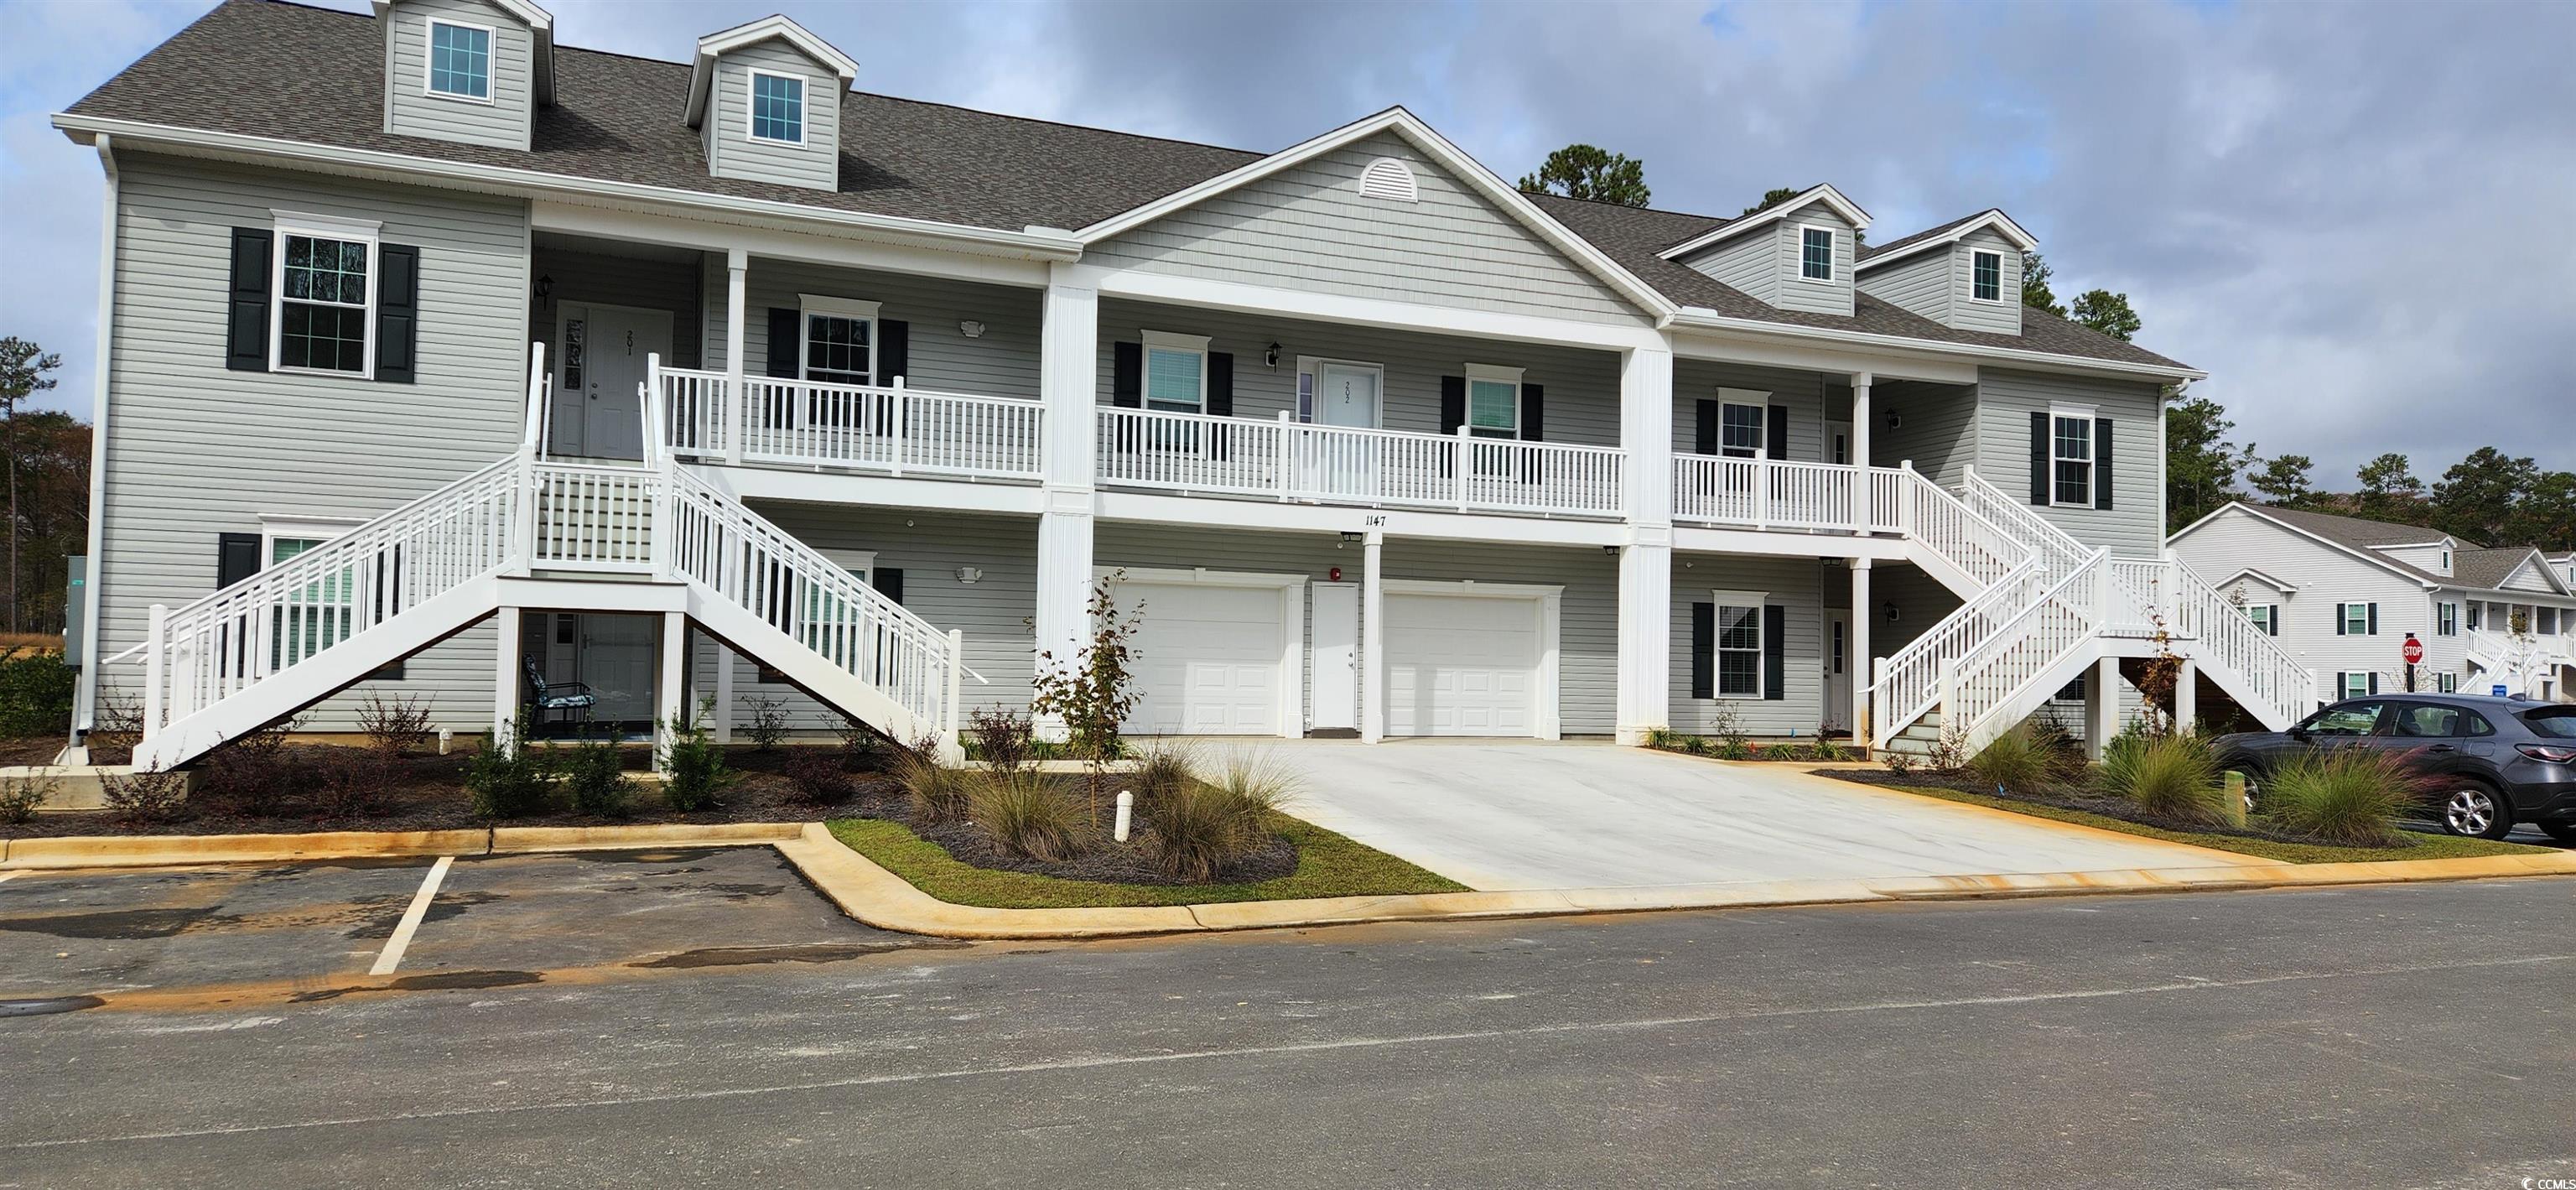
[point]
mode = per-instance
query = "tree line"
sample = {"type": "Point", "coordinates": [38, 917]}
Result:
{"type": "Point", "coordinates": [47, 468]}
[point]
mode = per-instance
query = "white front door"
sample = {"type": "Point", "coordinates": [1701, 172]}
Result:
{"type": "Point", "coordinates": [601, 369]}
{"type": "Point", "coordinates": [1336, 651]}
{"type": "Point", "coordinates": [1346, 395]}
{"type": "Point", "coordinates": [1838, 443]}
{"type": "Point", "coordinates": [1838, 691]}
{"type": "Point", "coordinates": [1208, 659]}
{"type": "Point", "coordinates": [1462, 665]}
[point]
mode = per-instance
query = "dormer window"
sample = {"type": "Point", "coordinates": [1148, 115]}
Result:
{"type": "Point", "coordinates": [2446, 561]}
{"type": "Point", "coordinates": [460, 61]}
{"type": "Point", "coordinates": [1987, 276]}
{"type": "Point", "coordinates": [1816, 260]}
{"type": "Point", "coordinates": [777, 108]}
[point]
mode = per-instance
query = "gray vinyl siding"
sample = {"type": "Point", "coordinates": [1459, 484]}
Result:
{"type": "Point", "coordinates": [1002, 363]}
{"type": "Point", "coordinates": [1798, 588]}
{"type": "Point", "coordinates": [1805, 394]}
{"type": "Point", "coordinates": [581, 277]}
{"type": "Point", "coordinates": [1581, 403]}
{"type": "Point", "coordinates": [2234, 540]}
{"type": "Point", "coordinates": [1749, 262]}
{"type": "Point", "coordinates": [1309, 228]}
{"type": "Point", "coordinates": [1922, 283]}
{"type": "Point", "coordinates": [412, 110]}
{"type": "Point", "coordinates": [2529, 578]}
{"type": "Point", "coordinates": [1798, 293]}
{"type": "Point", "coordinates": [1936, 430]}
{"type": "Point", "coordinates": [2134, 526]}
{"type": "Point", "coordinates": [2002, 316]}
{"type": "Point", "coordinates": [816, 164]}
{"type": "Point", "coordinates": [2423, 557]}
{"type": "Point", "coordinates": [195, 450]}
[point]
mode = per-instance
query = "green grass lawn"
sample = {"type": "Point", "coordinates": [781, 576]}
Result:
{"type": "Point", "coordinates": [2425, 846]}
{"type": "Point", "coordinates": [1328, 865]}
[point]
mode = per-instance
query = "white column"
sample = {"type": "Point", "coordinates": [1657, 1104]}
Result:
{"type": "Point", "coordinates": [1860, 384]}
{"type": "Point", "coordinates": [737, 267]}
{"type": "Point", "coordinates": [505, 675]}
{"type": "Point", "coordinates": [1068, 384]}
{"type": "Point", "coordinates": [670, 690]}
{"type": "Point", "coordinates": [1856, 654]}
{"type": "Point", "coordinates": [2186, 696]}
{"type": "Point", "coordinates": [724, 693]}
{"type": "Point", "coordinates": [1646, 563]}
{"type": "Point", "coordinates": [2101, 706]}
{"type": "Point", "coordinates": [1373, 638]}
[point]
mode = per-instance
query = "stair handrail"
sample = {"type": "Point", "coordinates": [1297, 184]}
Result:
{"type": "Point", "coordinates": [2006, 549]}
{"type": "Point", "coordinates": [2223, 633]}
{"type": "Point", "coordinates": [2079, 591]}
{"type": "Point", "coordinates": [1907, 682]}
{"type": "Point", "coordinates": [532, 436]}
{"type": "Point", "coordinates": [2059, 549]}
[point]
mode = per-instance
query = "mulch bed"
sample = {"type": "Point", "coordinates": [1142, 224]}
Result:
{"type": "Point", "coordinates": [2074, 799]}
{"type": "Point", "coordinates": [1107, 861]}
{"type": "Point", "coordinates": [36, 750]}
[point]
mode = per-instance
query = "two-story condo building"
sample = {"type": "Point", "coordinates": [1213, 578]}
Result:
{"type": "Point", "coordinates": [2344, 594]}
{"type": "Point", "coordinates": [444, 359]}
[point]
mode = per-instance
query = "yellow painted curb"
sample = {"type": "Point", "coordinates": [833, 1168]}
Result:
{"type": "Point", "coordinates": [889, 902]}
{"type": "Point", "coordinates": [109, 851]}
{"type": "Point", "coordinates": [595, 838]}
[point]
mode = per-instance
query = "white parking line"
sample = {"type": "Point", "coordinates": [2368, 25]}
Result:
{"type": "Point", "coordinates": [393, 952]}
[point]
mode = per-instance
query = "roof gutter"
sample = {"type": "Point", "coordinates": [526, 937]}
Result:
{"type": "Point", "coordinates": [1046, 246]}
{"type": "Point", "coordinates": [1703, 318]}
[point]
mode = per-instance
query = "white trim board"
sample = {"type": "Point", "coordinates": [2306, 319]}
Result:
{"type": "Point", "coordinates": [429, 59]}
{"type": "Point", "coordinates": [751, 107]}
{"type": "Point", "coordinates": [1993, 218]}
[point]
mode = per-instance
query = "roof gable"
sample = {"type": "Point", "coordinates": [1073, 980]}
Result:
{"type": "Point", "coordinates": [770, 28]}
{"type": "Point", "coordinates": [2316, 527]}
{"type": "Point", "coordinates": [1833, 199]}
{"type": "Point", "coordinates": [1948, 233]}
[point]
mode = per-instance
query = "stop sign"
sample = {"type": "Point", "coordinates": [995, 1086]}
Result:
{"type": "Point", "coordinates": [2413, 650]}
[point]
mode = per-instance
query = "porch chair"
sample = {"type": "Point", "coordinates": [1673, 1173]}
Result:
{"type": "Point", "coordinates": [571, 701]}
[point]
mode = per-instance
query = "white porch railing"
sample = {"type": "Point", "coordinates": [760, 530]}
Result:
{"type": "Point", "coordinates": [1772, 494]}
{"type": "Point", "coordinates": [1195, 453]}
{"type": "Point", "coordinates": [1988, 689]}
{"type": "Point", "coordinates": [1908, 682]}
{"type": "Point", "coordinates": [892, 428]}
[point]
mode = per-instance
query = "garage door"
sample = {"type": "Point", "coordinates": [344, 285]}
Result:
{"type": "Point", "coordinates": [1206, 659]}
{"type": "Point", "coordinates": [1461, 666]}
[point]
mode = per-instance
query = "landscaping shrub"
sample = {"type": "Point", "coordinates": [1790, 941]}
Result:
{"type": "Point", "coordinates": [1207, 825]}
{"type": "Point", "coordinates": [2349, 795]}
{"type": "Point", "coordinates": [594, 777]}
{"type": "Point", "coordinates": [1004, 740]}
{"type": "Point", "coordinates": [253, 774]}
{"type": "Point", "coordinates": [2016, 760]}
{"type": "Point", "coordinates": [938, 793]}
{"type": "Point", "coordinates": [349, 782]}
{"type": "Point", "coordinates": [394, 728]}
{"type": "Point", "coordinates": [1726, 730]}
{"type": "Point", "coordinates": [2173, 777]}
{"type": "Point", "coordinates": [35, 693]}
{"type": "Point", "coordinates": [862, 749]}
{"type": "Point", "coordinates": [115, 727]}
{"type": "Point", "coordinates": [694, 771]}
{"type": "Point", "coordinates": [1029, 815]}
{"type": "Point", "coordinates": [768, 725]}
{"type": "Point", "coordinates": [147, 796]}
{"type": "Point", "coordinates": [507, 780]}
{"type": "Point", "coordinates": [21, 797]}
{"type": "Point", "coordinates": [817, 776]}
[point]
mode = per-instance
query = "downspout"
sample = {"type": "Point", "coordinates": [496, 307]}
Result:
{"type": "Point", "coordinates": [2164, 493]}
{"type": "Point", "coordinates": [85, 698]}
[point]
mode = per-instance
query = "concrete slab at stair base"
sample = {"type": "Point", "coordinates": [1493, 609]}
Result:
{"type": "Point", "coordinates": [76, 786]}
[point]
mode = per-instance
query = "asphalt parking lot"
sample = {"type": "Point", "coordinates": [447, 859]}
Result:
{"type": "Point", "coordinates": [323, 930]}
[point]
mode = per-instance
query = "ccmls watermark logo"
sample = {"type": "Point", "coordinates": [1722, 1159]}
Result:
{"type": "Point", "coordinates": [2549, 1184]}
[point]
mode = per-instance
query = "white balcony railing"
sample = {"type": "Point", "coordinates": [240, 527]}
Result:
{"type": "Point", "coordinates": [1773, 494]}
{"type": "Point", "coordinates": [1193, 453]}
{"type": "Point", "coordinates": [892, 428]}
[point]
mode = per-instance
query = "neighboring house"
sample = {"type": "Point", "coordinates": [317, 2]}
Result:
{"type": "Point", "coordinates": [2342, 594]}
{"type": "Point", "coordinates": [442, 359]}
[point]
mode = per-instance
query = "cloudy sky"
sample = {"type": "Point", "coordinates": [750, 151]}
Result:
{"type": "Point", "coordinates": [2361, 220]}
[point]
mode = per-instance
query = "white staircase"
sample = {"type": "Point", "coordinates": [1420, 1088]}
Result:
{"type": "Point", "coordinates": [298, 632]}
{"type": "Point", "coordinates": [2057, 608]}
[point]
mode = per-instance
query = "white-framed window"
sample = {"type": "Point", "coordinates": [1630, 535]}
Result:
{"type": "Point", "coordinates": [1737, 646]}
{"type": "Point", "coordinates": [315, 616]}
{"type": "Point", "coordinates": [1743, 431]}
{"type": "Point", "coordinates": [2446, 561]}
{"type": "Point", "coordinates": [776, 112]}
{"type": "Point", "coordinates": [1986, 276]}
{"type": "Point", "coordinates": [2357, 685]}
{"type": "Point", "coordinates": [1176, 372]}
{"type": "Point", "coordinates": [459, 63]}
{"type": "Point", "coordinates": [2266, 616]}
{"type": "Point", "coordinates": [2070, 456]}
{"type": "Point", "coordinates": [1815, 253]}
{"type": "Point", "coordinates": [2355, 619]}
{"type": "Point", "coordinates": [2447, 683]}
{"type": "Point", "coordinates": [324, 276]}
{"type": "Point", "coordinates": [1493, 401]}
{"type": "Point", "coordinates": [2446, 619]}
{"type": "Point", "coordinates": [840, 344]}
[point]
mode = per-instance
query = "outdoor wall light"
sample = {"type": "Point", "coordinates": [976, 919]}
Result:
{"type": "Point", "coordinates": [1895, 419]}
{"type": "Point", "coordinates": [971, 329]}
{"type": "Point", "coordinates": [1349, 537]}
{"type": "Point", "coordinates": [970, 575]}
{"type": "Point", "coordinates": [1271, 357]}
{"type": "Point", "coordinates": [1891, 613]}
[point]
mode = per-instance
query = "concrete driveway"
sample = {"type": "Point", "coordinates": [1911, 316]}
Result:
{"type": "Point", "coordinates": [1499, 815]}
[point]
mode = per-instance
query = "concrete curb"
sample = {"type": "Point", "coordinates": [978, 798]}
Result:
{"type": "Point", "coordinates": [162, 851]}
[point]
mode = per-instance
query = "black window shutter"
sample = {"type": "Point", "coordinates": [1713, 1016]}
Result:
{"type": "Point", "coordinates": [1220, 380]}
{"type": "Point", "coordinates": [397, 311]}
{"type": "Point", "coordinates": [894, 350]}
{"type": "Point", "coordinates": [2374, 619]}
{"type": "Point", "coordinates": [2039, 457]}
{"type": "Point", "coordinates": [2272, 623]}
{"type": "Point", "coordinates": [1777, 429]}
{"type": "Point", "coordinates": [1775, 635]}
{"type": "Point", "coordinates": [1704, 436]}
{"type": "Point", "coordinates": [888, 581]}
{"type": "Point", "coordinates": [1533, 413]}
{"type": "Point", "coordinates": [2341, 618]}
{"type": "Point", "coordinates": [1127, 375]}
{"type": "Point", "coordinates": [246, 325]}
{"type": "Point", "coordinates": [2374, 681]}
{"type": "Point", "coordinates": [786, 343]}
{"type": "Point", "coordinates": [1703, 640]}
{"type": "Point", "coordinates": [1453, 403]}
{"type": "Point", "coordinates": [236, 558]}
{"type": "Point", "coordinates": [2101, 462]}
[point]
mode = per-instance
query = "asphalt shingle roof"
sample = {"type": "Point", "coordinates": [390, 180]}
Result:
{"type": "Point", "coordinates": [2472, 565]}
{"type": "Point", "coordinates": [284, 71]}
{"type": "Point", "coordinates": [2488, 568]}
{"type": "Point", "coordinates": [1870, 250]}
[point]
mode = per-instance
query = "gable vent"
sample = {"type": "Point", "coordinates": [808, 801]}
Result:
{"type": "Point", "coordinates": [1389, 179]}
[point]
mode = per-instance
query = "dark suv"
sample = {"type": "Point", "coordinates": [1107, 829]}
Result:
{"type": "Point", "coordinates": [2494, 761]}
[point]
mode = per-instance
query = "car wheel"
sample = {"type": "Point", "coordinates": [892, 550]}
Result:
{"type": "Point", "coordinates": [2472, 808]}
{"type": "Point", "coordinates": [2561, 830]}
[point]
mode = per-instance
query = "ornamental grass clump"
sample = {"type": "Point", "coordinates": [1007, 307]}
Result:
{"type": "Point", "coordinates": [2351, 796]}
{"type": "Point", "coordinates": [1162, 774]}
{"type": "Point", "coordinates": [1205, 827]}
{"type": "Point", "coordinates": [938, 793]}
{"type": "Point", "coordinates": [1029, 816]}
{"type": "Point", "coordinates": [2018, 761]}
{"type": "Point", "coordinates": [2173, 777]}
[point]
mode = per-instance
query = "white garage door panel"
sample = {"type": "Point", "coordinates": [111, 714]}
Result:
{"type": "Point", "coordinates": [1461, 666]}
{"type": "Point", "coordinates": [1207, 659]}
